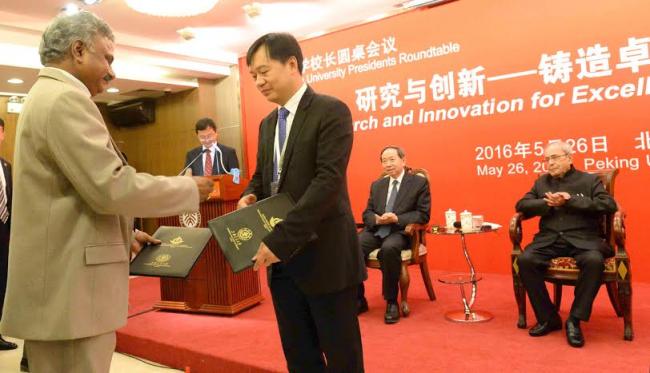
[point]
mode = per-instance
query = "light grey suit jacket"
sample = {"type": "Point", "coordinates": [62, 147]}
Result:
{"type": "Point", "coordinates": [74, 197]}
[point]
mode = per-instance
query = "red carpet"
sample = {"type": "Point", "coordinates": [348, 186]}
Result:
{"type": "Point", "coordinates": [423, 342]}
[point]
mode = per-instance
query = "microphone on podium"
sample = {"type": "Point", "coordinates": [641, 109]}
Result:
{"type": "Point", "coordinates": [192, 162]}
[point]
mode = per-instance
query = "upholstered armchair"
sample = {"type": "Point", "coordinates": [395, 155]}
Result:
{"type": "Point", "coordinates": [416, 254]}
{"type": "Point", "coordinates": [564, 271]}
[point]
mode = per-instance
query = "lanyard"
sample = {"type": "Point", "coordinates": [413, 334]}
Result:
{"type": "Point", "coordinates": [277, 152]}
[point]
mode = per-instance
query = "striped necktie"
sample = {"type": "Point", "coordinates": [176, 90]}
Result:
{"type": "Point", "coordinates": [4, 209]}
{"type": "Point", "coordinates": [207, 169]}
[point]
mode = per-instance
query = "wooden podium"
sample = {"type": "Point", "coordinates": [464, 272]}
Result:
{"type": "Point", "coordinates": [212, 287]}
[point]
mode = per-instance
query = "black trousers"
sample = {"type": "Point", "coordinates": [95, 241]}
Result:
{"type": "Point", "coordinates": [390, 259]}
{"type": "Point", "coordinates": [319, 333]}
{"type": "Point", "coordinates": [533, 264]}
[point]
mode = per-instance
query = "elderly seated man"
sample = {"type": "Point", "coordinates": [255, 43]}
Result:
{"type": "Point", "coordinates": [570, 203]}
{"type": "Point", "coordinates": [395, 201]}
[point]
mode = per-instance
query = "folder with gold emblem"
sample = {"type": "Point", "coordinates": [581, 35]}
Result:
{"type": "Point", "coordinates": [240, 232]}
{"type": "Point", "coordinates": [175, 256]}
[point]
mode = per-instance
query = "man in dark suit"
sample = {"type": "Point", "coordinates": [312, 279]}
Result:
{"type": "Point", "coordinates": [216, 159]}
{"type": "Point", "coordinates": [570, 203]}
{"type": "Point", "coordinates": [396, 200]}
{"type": "Point", "coordinates": [5, 222]}
{"type": "Point", "coordinates": [316, 265]}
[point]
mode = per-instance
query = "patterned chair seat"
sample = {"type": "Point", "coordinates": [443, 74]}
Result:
{"type": "Point", "coordinates": [565, 264]}
{"type": "Point", "coordinates": [406, 254]}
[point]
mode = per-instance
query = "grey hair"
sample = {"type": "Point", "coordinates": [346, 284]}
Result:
{"type": "Point", "coordinates": [565, 147]}
{"type": "Point", "coordinates": [66, 29]}
{"type": "Point", "coordinates": [399, 150]}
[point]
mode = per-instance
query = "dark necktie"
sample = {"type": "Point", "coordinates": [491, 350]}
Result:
{"type": "Point", "coordinates": [283, 113]}
{"type": "Point", "coordinates": [207, 169]}
{"type": "Point", "coordinates": [384, 230]}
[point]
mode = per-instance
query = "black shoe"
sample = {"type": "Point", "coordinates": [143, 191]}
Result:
{"type": "Point", "coordinates": [574, 334]}
{"type": "Point", "coordinates": [6, 345]}
{"type": "Point", "coordinates": [362, 306]}
{"type": "Point", "coordinates": [24, 366]}
{"type": "Point", "coordinates": [392, 313]}
{"type": "Point", "coordinates": [552, 324]}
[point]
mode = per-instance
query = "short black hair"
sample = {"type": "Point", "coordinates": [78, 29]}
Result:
{"type": "Point", "coordinates": [280, 47]}
{"type": "Point", "coordinates": [204, 123]}
{"type": "Point", "coordinates": [2, 123]}
{"type": "Point", "coordinates": [400, 151]}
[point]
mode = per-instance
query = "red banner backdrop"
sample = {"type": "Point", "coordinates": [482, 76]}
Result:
{"type": "Point", "coordinates": [474, 90]}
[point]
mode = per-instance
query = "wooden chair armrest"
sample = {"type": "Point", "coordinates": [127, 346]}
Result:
{"type": "Point", "coordinates": [416, 232]}
{"type": "Point", "coordinates": [412, 228]}
{"type": "Point", "coordinates": [619, 233]}
{"type": "Point", "coordinates": [515, 228]}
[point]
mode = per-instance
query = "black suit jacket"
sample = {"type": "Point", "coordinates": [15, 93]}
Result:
{"type": "Point", "coordinates": [578, 221]}
{"type": "Point", "coordinates": [412, 205]}
{"type": "Point", "coordinates": [317, 241]}
{"type": "Point", "coordinates": [229, 160]}
{"type": "Point", "coordinates": [4, 233]}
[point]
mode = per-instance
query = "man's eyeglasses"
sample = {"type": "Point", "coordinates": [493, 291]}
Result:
{"type": "Point", "coordinates": [554, 158]}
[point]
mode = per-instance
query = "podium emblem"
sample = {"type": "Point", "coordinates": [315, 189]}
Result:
{"type": "Point", "coordinates": [190, 219]}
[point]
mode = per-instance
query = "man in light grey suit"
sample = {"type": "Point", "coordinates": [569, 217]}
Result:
{"type": "Point", "coordinates": [73, 203]}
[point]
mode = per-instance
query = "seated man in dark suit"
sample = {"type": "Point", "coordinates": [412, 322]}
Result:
{"type": "Point", "coordinates": [395, 201]}
{"type": "Point", "coordinates": [570, 203]}
{"type": "Point", "coordinates": [217, 159]}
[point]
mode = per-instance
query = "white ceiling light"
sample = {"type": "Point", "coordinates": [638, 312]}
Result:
{"type": "Point", "coordinates": [70, 9]}
{"type": "Point", "coordinates": [253, 9]}
{"type": "Point", "coordinates": [112, 90]}
{"type": "Point", "coordinates": [187, 33]}
{"type": "Point", "coordinates": [91, 2]}
{"type": "Point", "coordinates": [172, 8]}
{"type": "Point", "coordinates": [15, 81]}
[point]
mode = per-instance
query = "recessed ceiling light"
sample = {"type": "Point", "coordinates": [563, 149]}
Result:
{"type": "Point", "coordinates": [91, 2]}
{"type": "Point", "coordinates": [187, 33]}
{"type": "Point", "coordinates": [70, 9]}
{"type": "Point", "coordinates": [253, 9]}
{"type": "Point", "coordinates": [15, 81]}
{"type": "Point", "coordinates": [112, 90]}
{"type": "Point", "coordinates": [172, 8]}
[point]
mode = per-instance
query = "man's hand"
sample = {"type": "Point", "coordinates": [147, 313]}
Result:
{"type": "Point", "coordinates": [140, 240]}
{"type": "Point", "coordinates": [556, 199]}
{"type": "Point", "coordinates": [388, 218]}
{"type": "Point", "coordinates": [205, 186]}
{"type": "Point", "coordinates": [264, 257]}
{"type": "Point", "coordinates": [246, 200]}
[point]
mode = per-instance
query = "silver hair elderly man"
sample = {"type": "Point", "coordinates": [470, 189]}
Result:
{"type": "Point", "coordinates": [74, 197]}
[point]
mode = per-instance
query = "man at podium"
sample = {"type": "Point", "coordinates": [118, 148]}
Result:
{"type": "Point", "coordinates": [210, 158]}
